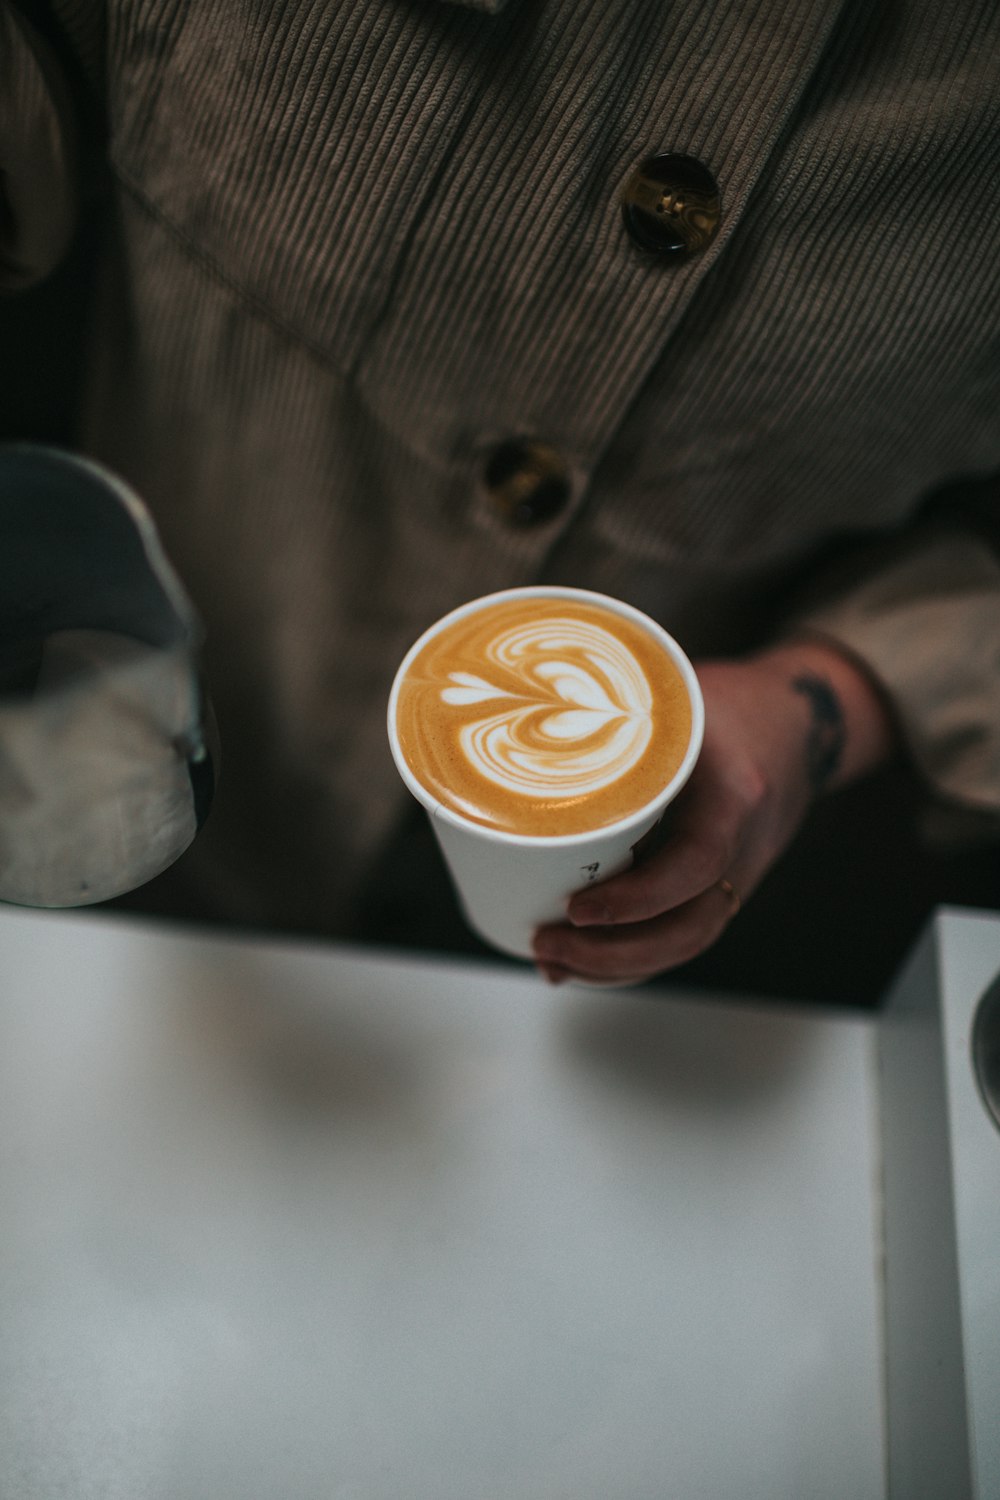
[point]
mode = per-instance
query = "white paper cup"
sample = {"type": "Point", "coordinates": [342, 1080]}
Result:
{"type": "Point", "coordinates": [510, 884]}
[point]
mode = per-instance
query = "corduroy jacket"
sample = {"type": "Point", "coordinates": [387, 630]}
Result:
{"type": "Point", "coordinates": [351, 251]}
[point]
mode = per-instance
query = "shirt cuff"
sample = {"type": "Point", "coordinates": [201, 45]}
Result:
{"type": "Point", "coordinates": [926, 626]}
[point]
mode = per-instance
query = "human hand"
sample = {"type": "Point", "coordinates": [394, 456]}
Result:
{"type": "Point", "coordinates": [780, 729]}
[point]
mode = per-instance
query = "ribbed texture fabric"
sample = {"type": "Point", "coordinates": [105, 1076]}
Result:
{"type": "Point", "coordinates": [357, 245]}
{"type": "Point", "coordinates": [858, 345]}
{"type": "Point", "coordinates": [443, 163]}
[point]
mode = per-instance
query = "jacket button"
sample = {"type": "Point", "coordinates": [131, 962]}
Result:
{"type": "Point", "coordinates": [671, 206]}
{"type": "Point", "coordinates": [527, 482]}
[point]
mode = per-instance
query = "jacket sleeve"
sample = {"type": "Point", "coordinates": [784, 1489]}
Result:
{"type": "Point", "coordinates": [39, 150]}
{"type": "Point", "coordinates": [922, 614]}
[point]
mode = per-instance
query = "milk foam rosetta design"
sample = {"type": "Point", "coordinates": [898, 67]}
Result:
{"type": "Point", "coordinates": [543, 716]}
{"type": "Point", "coordinates": [582, 719]}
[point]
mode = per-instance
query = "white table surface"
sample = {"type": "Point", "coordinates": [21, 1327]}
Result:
{"type": "Point", "coordinates": [291, 1222]}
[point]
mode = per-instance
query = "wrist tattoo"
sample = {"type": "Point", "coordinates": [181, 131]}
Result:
{"type": "Point", "coordinates": [827, 730]}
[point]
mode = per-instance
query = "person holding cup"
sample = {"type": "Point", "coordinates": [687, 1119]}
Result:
{"type": "Point", "coordinates": [396, 307]}
{"type": "Point", "coordinates": [547, 732]}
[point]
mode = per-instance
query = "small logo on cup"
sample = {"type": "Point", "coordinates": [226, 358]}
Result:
{"type": "Point", "coordinates": [590, 872]}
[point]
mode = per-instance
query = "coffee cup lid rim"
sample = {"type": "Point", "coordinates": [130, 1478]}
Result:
{"type": "Point", "coordinates": [640, 818]}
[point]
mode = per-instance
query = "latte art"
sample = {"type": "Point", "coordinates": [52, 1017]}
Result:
{"type": "Point", "coordinates": [583, 717]}
{"type": "Point", "coordinates": [543, 716]}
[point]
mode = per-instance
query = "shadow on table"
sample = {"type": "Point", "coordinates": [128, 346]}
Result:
{"type": "Point", "coordinates": [704, 1058]}
{"type": "Point", "coordinates": [309, 1056]}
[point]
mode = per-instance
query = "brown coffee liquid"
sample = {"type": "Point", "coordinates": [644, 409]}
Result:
{"type": "Point", "coordinates": [544, 716]}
